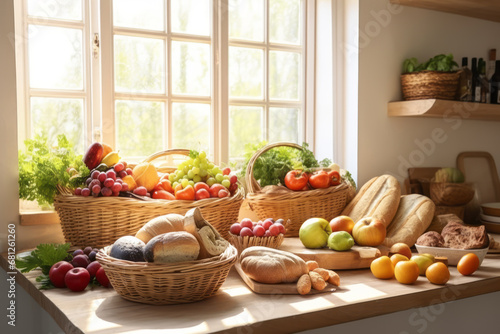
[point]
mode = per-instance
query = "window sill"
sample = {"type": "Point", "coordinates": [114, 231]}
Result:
{"type": "Point", "coordinates": [29, 218]}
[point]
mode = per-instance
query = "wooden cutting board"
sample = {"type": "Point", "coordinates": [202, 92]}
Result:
{"type": "Point", "coordinates": [276, 289]}
{"type": "Point", "coordinates": [356, 258]}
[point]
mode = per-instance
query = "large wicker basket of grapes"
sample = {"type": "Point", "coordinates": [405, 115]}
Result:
{"type": "Point", "coordinates": [99, 221]}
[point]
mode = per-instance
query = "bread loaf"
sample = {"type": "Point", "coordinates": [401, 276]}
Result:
{"type": "Point", "coordinates": [159, 225]}
{"type": "Point", "coordinates": [269, 265]}
{"type": "Point", "coordinates": [463, 236]}
{"type": "Point", "coordinates": [413, 217]}
{"type": "Point", "coordinates": [211, 242]}
{"type": "Point", "coordinates": [378, 198]}
{"type": "Point", "coordinates": [172, 247]}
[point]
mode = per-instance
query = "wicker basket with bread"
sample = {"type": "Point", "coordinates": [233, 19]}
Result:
{"type": "Point", "coordinates": [172, 259]}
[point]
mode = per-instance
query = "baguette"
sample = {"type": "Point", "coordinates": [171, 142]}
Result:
{"type": "Point", "coordinates": [378, 198]}
{"type": "Point", "coordinates": [414, 215]}
{"type": "Point", "coordinates": [269, 265]}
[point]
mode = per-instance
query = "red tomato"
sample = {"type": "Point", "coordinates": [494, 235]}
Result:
{"type": "Point", "coordinates": [164, 184]}
{"type": "Point", "coordinates": [319, 180]}
{"type": "Point", "coordinates": [162, 194]}
{"type": "Point", "coordinates": [335, 178]}
{"type": "Point", "coordinates": [295, 180]}
{"type": "Point", "coordinates": [186, 193]}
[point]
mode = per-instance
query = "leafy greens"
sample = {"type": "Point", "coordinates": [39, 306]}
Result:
{"type": "Point", "coordinates": [42, 168]}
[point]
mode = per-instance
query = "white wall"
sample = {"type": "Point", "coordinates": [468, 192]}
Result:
{"type": "Point", "coordinates": [388, 35]}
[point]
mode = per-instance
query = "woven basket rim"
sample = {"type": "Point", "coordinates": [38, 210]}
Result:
{"type": "Point", "coordinates": [293, 195]}
{"type": "Point", "coordinates": [229, 254]}
{"type": "Point", "coordinates": [431, 72]}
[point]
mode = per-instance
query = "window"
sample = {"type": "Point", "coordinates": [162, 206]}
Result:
{"type": "Point", "coordinates": [144, 76]}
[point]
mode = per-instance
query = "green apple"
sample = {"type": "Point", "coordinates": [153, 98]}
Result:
{"type": "Point", "coordinates": [340, 241]}
{"type": "Point", "coordinates": [430, 256]}
{"type": "Point", "coordinates": [423, 263]}
{"type": "Point", "coordinates": [314, 232]}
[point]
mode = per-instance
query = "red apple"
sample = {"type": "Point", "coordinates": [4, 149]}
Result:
{"type": "Point", "coordinates": [342, 223]}
{"type": "Point", "coordinates": [57, 273]}
{"type": "Point", "coordinates": [201, 193]}
{"type": "Point", "coordinates": [201, 185]}
{"type": "Point", "coordinates": [215, 188]}
{"type": "Point", "coordinates": [77, 279]}
{"type": "Point", "coordinates": [369, 232]}
{"type": "Point", "coordinates": [102, 278]}
{"type": "Point", "coordinates": [92, 268]}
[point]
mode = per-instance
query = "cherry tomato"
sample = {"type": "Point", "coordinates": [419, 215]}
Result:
{"type": "Point", "coordinates": [319, 180]}
{"type": "Point", "coordinates": [335, 178]}
{"type": "Point", "coordinates": [296, 180]}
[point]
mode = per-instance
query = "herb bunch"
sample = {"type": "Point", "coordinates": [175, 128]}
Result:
{"type": "Point", "coordinates": [42, 168]}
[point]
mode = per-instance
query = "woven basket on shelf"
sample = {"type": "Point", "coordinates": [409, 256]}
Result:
{"type": "Point", "coordinates": [244, 242]}
{"type": "Point", "coordinates": [451, 194]}
{"type": "Point", "coordinates": [297, 206]}
{"type": "Point", "coordinates": [162, 284]}
{"type": "Point", "coordinates": [430, 85]}
{"type": "Point", "coordinates": [98, 222]}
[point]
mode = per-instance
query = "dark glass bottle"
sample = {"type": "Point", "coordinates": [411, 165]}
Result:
{"type": "Point", "coordinates": [495, 84]}
{"type": "Point", "coordinates": [475, 76]}
{"type": "Point", "coordinates": [465, 82]}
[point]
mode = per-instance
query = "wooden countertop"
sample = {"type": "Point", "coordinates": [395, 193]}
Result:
{"type": "Point", "coordinates": [101, 310]}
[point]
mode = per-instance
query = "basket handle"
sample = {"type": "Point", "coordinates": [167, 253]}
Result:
{"type": "Point", "coordinates": [171, 151]}
{"type": "Point", "coordinates": [252, 184]}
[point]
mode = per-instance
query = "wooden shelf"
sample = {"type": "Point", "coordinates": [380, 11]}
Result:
{"type": "Point", "coordinates": [482, 9]}
{"type": "Point", "coordinates": [444, 109]}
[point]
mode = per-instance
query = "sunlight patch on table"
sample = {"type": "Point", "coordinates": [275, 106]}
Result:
{"type": "Point", "coordinates": [357, 292]}
{"type": "Point", "coordinates": [312, 304]}
{"type": "Point", "coordinates": [237, 291]}
{"type": "Point", "coordinates": [242, 318]}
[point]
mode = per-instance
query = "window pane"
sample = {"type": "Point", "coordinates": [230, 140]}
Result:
{"type": "Point", "coordinates": [144, 14]}
{"type": "Point", "coordinates": [55, 58]}
{"type": "Point", "coordinates": [66, 10]}
{"type": "Point", "coordinates": [284, 21]}
{"type": "Point", "coordinates": [245, 72]}
{"type": "Point", "coordinates": [190, 16]}
{"type": "Point", "coordinates": [245, 127]}
{"type": "Point", "coordinates": [139, 127]}
{"type": "Point", "coordinates": [283, 125]}
{"type": "Point", "coordinates": [55, 116]}
{"type": "Point", "coordinates": [190, 68]}
{"type": "Point", "coordinates": [284, 75]}
{"type": "Point", "coordinates": [139, 64]}
{"type": "Point", "coordinates": [246, 19]}
{"type": "Point", "coordinates": [191, 126]}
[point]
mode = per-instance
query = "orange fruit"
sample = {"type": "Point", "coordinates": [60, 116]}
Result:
{"type": "Point", "coordinates": [468, 264]}
{"type": "Point", "coordinates": [395, 258]}
{"type": "Point", "coordinates": [406, 272]}
{"type": "Point", "coordinates": [382, 268]}
{"type": "Point", "coordinates": [438, 273]}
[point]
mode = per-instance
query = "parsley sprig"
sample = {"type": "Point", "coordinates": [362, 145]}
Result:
{"type": "Point", "coordinates": [43, 257]}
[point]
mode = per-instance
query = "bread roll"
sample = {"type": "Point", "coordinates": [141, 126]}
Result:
{"type": "Point", "coordinates": [159, 225]}
{"type": "Point", "coordinates": [378, 198]}
{"type": "Point", "coordinates": [172, 247]}
{"type": "Point", "coordinates": [128, 248]}
{"type": "Point", "coordinates": [211, 242]}
{"type": "Point", "coordinates": [269, 265]}
{"type": "Point", "coordinates": [414, 215]}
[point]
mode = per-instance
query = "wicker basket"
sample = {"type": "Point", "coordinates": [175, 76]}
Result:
{"type": "Point", "coordinates": [98, 222]}
{"type": "Point", "coordinates": [430, 85]}
{"type": "Point", "coordinates": [296, 206]}
{"type": "Point", "coordinates": [451, 194]}
{"type": "Point", "coordinates": [161, 284]}
{"type": "Point", "coordinates": [244, 242]}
